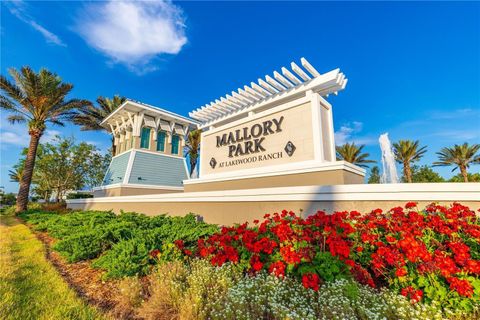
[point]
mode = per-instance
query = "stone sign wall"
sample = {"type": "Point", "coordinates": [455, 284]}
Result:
{"type": "Point", "coordinates": [277, 138]}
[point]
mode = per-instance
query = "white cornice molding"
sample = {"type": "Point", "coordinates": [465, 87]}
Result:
{"type": "Point", "coordinates": [136, 186]}
{"type": "Point", "coordinates": [352, 192]}
{"type": "Point", "coordinates": [165, 114]}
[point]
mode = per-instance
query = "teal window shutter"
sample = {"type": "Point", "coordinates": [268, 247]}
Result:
{"type": "Point", "coordinates": [175, 144]}
{"type": "Point", "coordinates": [161, 141]}
{"type": "Point", "coordinates": [145, 138]}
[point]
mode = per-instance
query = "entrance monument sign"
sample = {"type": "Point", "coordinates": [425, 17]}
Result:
{"type": "Point", "coordinates": [274, 127]}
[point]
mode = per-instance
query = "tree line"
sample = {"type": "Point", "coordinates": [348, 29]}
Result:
{"type": "Point", "coordinates": [408, 152]}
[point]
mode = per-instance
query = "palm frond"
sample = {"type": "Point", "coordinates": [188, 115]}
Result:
{"type": "Point", "coordinates": [354, 154]}
{"type": "Point", "coordinates": [89, 117]}
{"type": "Point", "coordinates": [11, 90]}
{"type": "Point", "coordinates": [458, 155]}
{"type": "Point", "coordinates": [16, 118]}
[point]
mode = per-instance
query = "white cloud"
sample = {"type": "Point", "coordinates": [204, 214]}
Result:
{"type": "Point", "coordinates": [133, 33]}
{"type": "Point", "coordinates": [349, 133]}
{"type": "Point", "coordinates": [17, 135]}
{"type": "Point", "coordinates": [346, 131]}
{"type": "Point", "coordinates": [19, 10]}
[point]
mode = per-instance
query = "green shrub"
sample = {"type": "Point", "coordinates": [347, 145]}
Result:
{"type": "Point", "coordinates": [126, 258]}
{"type": "Point", "coordinates": [81, 246]}
{"type": "Point", "coordinates": [122, 243]}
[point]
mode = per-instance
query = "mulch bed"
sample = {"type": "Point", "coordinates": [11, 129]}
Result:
{"type": "Point", "coordinates": [88, 283]}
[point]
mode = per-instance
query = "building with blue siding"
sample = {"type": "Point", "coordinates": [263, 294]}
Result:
{"type": "Point", "coordinates": [148, 156]}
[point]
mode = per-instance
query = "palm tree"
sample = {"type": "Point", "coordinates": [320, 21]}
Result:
{"type": "Point", "coordinates": [192, 147]}
{"type": "Point", "coordinates": [16, 173]}
{"type": "Point", "coordinates": [459, 155]}
{"type": "Point", "coordinates": [36, 98]}
{"type": "Point", "coordinates": [352, 153]}
{"type": "Point", "coordinates": [89, 118]}
{"type": "Point", "coordinates": [406, 152]}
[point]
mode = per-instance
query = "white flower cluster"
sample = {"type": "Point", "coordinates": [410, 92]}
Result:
{"type": "Point", "coordinates": [200, 291]}
{"type": "Point", "coordinates": [268, 297]}
{"type": "Point", "coordinates": [265, 296]}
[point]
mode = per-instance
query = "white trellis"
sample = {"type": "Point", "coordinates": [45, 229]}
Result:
{"type": "Point", "coordinates": [277, 87]}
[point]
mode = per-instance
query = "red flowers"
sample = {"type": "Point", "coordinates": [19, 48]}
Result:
{"type": "Point", "coordinates": [277, 268]}
{"type": "Point", "coordinates": [410, 205]}
{"type": "Point", "coordinates": [180, 244]}
{"type": "Point", "coordinates": [154, 253]}
{"type": "Point", "coordinates": [439, 245]}
{"type": "Point", "coordinates": [256, 264]}
{"type": "Point", "coordinates": [401, 272]}
{"type": "Point", "coordinates": [463, 287]}
{"type": "Point", "coordinates": [311, 280]}
{"type": "Point", "coordinates": [412, 294]}
{"type": "Point", "coordinates": [290, 256]}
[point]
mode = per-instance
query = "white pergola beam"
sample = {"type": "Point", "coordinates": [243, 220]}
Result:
{"type": "Point", "coordinates": [204, 113]}
{"type": "Point", "coordinates": [300, 72]}
{"type": "Point", "coordinates": [274, 83]}
{"type": "Point", "coordinates": [220, 107]}
{"type": "Point", "coordinates": [247, 96]}
{"type": "Point", "coordinates": [213, 108]}
{"type": "Point", "coordinates": [230, 103]}
{"type": "Point", "coordinates": [254, 93]}
{"type": "Point", "coordinates": [309, 68]}
{"type": "Point", "coordinates": [291, 76]}
{"type": "Point", "coordinates": [236, 100]}
{"type": "Point", "coordinates": [264, 93]}
{"type": "Point", "coordinates": [282, 79]}
{"type": "Point", "coordinates": [223, 107]}
{"type": "Point", "coordinates": [267, 86]}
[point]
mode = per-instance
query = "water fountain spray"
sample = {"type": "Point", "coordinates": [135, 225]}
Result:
{"type": "Point", "coordinates": [389, 170]}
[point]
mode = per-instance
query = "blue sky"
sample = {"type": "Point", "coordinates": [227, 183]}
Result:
{"type": "Point", "coordinates": [413, 68]}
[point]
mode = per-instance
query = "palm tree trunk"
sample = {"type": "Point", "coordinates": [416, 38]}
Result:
{"type": "Point", "coordinates": [193, 163]}
{"type": "Point", "coordinates": [463, 170]}
{"type": "Point", "coordinates": [407, 171]}
{"type": "Point", "coordinates": [24, 191]}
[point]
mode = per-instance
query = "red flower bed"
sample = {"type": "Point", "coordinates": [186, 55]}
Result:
{"type": "Point", "coordinates": [433, 254]}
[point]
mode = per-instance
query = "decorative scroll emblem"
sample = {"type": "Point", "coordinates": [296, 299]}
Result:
{"type": "Point", "coordinates": [290, 148]}
{"type": "Point", "coordinates": [213, 163]}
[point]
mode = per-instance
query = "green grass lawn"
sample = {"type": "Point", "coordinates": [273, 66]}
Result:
{"type": "Point", "coordinates": [30, 287]}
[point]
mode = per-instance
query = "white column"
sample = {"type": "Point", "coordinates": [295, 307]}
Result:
{"type": "Point", "coordinates": [137, 124]}
{"type": "Point", "coordinates": [203, 161]}
{"type": "Point", "coordinates": [327, 130]}
{"type": "Point", "coordinates": [316, 126]}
